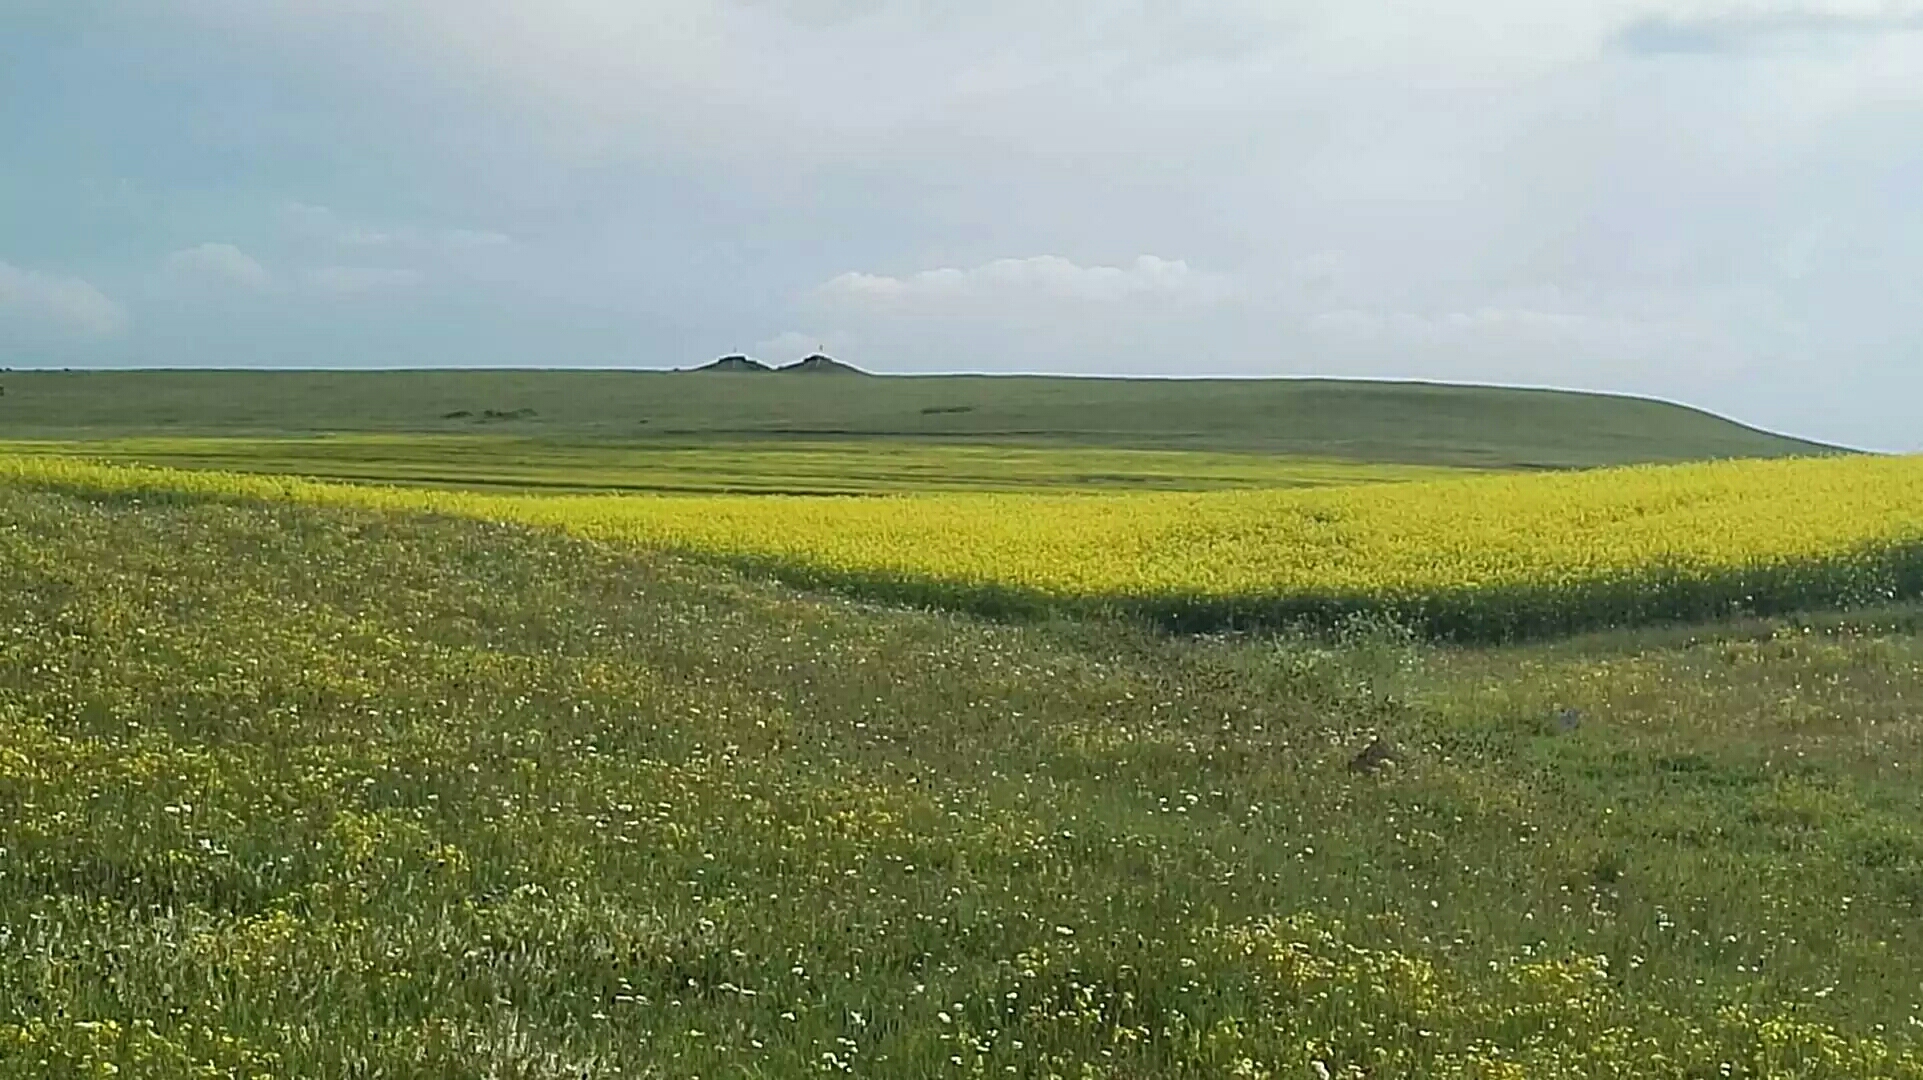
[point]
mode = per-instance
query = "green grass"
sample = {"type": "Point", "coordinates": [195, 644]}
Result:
{"type": "Point", "coordinates": [1404, 423]}
{"type": "Point", "coordinates": [293, 792]}
{"type": "Point", "coordinates": [814, 467]}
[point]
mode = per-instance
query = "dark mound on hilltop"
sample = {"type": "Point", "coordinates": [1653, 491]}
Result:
{"type": "Point", "coordinates": [821, 365]}
{"type": "Point", "coordinates": [735, 363]}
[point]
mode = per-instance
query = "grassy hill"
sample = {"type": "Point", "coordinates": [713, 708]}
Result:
{"type": "Point", "coordinates": [295, 792]}
{"type": "Point", "coordinates": [1404, 423]}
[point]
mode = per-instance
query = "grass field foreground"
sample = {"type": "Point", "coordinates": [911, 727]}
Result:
{"type": "Point", "coordinates": [301, 792]}
{"type": "Point", "coordinates": [1485, 558]}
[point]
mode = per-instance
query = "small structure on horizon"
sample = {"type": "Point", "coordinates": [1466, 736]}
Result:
{"type": "Point", "coordinates": [735, 363]}
{"type": "Point", "coordinates": [820, 364]}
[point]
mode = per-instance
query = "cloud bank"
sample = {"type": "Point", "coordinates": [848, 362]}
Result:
{"type": "Point", "coordinates": [360, 280]}
{"type": "Point", "coordinates": [1040, 283]}
{"type": "Point", "coordinates": [68, 304]}
{"type": "Point", "coordinates": [220, 263]}
{"type": "Point", "coordinates": [1710, 200]}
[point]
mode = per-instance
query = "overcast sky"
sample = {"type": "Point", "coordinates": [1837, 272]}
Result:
{"type": "Point", "coordinates": [1716, 201]}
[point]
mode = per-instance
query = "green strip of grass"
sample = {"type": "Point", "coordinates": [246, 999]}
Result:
{"type": "Point", "coordinates": [810, 468]}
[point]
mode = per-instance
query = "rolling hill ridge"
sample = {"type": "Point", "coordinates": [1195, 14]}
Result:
{"type": "Point", "coordinates": [1408, 423]}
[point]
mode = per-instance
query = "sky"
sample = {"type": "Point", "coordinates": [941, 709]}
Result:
{"type": "Point", "coordinates": [1713, 201]}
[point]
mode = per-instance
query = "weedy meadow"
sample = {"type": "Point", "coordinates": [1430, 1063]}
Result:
{"type": "Point", "coordinates": [302, 790]}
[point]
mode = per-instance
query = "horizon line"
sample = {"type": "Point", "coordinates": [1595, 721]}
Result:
{"type": "Point", "coordinates": [1405, 380]}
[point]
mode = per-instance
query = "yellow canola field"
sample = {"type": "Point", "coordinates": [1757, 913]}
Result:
{"type": "Point", "coordinates": [1479, 556]}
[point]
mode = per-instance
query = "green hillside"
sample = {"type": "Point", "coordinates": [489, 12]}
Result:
{"type": "Point", "coordinates": [1407, 423]}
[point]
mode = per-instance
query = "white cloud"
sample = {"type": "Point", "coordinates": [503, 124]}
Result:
{"type": "Point", "coordinates": [475, 238]}
{"type": "Point", "coordinates": [309, 217]}
{"type": "Point", "coordinates": [1481, 321]}
{"type": "Point", "coordinates": [353, 280]}
{"type": "Point", "coordinates": [326, 225]}
{"type": "Point", "coordinates": [840, 77]}
{"type": "Point", "coordinates": [1720, 27]}
{"type": "Point", "coordinates": [1039, 283]}
{"type": "Point", "coordinates": [223, 263]}
{"type": "Point", "coordinates": [70, 304]}
{"type": "Point", "coordinates": [361, 236]}
{"type": "Point", "coordinates": [1655, 343]}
